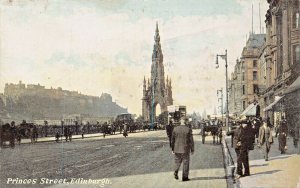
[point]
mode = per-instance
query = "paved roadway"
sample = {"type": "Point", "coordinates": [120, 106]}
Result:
{"type": "Point", "coordinates": [140, 160]}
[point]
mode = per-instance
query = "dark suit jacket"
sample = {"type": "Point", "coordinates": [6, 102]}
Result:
{"type": "Point", "coordinates": [182, 140]}
{"type": "Point", "coordinates": [245, 137]}
{"type": "Point", "coordinates": [283, 127]}
{"type": "Point", "coordinates": [169, 129]}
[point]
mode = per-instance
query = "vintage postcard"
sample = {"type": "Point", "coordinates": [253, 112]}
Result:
{"type": "Point", "coordinates": [150, 93]}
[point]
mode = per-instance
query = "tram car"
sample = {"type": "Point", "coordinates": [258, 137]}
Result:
{"type": "Point", "coordinates": [127, 118]}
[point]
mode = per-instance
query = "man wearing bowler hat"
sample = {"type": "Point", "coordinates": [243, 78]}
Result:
{"type": "Point", "coordinates": [244, 142]}
{"type": "Point", "coordinates": [182, 144]}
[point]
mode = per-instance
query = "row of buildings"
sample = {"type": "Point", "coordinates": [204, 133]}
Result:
{"type": "Point", "coordinates": [267, 74]}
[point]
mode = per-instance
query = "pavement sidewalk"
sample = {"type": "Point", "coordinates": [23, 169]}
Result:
{"type": "Point", "coordinates": [281, 171]}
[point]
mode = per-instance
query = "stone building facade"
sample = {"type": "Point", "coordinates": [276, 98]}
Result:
{"type": "Point", "coordinates": [278, 66]}
{"type": "Point", "coordinates": [282, 55]}
{"type": "Point", "coordinates": [159, 89]}
{"type": "Point", "coordinates": [235, 93]}
{"type": "Point", "coordinates": [244, 83]}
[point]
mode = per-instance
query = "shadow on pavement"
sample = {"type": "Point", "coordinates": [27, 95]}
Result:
{"type": "Point", "coordinates": [259, 165]}
{"type": "Point", "coordinates": [267, 172]}
{"type": "Point", "coordinates": [207, 178]}
{"type": "Point", "coordinates": [279, 157]}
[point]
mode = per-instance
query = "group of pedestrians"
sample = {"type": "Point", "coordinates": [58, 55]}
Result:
{"type": "Point", "coordinates": [244, 141]}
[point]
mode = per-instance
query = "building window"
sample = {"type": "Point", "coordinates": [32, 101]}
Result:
{"type": "Point", "coordinates": [243, 76]}
{"type": "Point", "coordinates": [244, 105]}
{"type": "Point", "coordinates": [254, 63]}
{"type": "Point", "coordinates": [255, 89]}
{"type": "Point", "coordinates": [296, 54]}
{"type": "Point", "coordinates": [254, 75]}
{"type": "Point", "coordinates": [297, 20]}
{"type": "Point", "coordinates": [243, 90]}
{"type": "Point", "coordinates": [243, 65]}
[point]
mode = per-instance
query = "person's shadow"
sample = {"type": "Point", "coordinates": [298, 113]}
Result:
{"type": "Point", "coordinates": [258, 165]}
{"type": "Point", "coordinates": [207, 178]}
{"type": "Point", "coordinates": [279, 157]}
{"type": "Point", "coordinates": [267, 172]}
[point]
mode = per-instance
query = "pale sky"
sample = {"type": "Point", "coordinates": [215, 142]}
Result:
{"type": "Point", "coordinates": [101, 46]}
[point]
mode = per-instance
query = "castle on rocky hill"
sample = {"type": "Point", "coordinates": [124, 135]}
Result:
{"type": "Point", "coordinates": [33, 102]}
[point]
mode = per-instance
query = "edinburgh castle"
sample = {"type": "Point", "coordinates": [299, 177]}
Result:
{"type": "Point", "coordinates": [34, 102]}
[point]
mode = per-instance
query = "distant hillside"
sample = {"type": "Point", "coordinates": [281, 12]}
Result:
{"type": "Point", "coordinates": [37, 102]}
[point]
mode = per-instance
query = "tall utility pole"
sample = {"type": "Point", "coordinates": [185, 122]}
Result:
{"type": "Point", "coordinates": [221, 98]}
{"type": "Point", "coordinates": [226, 90]}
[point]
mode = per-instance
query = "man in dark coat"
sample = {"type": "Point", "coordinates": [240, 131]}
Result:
{"type": "Point", "coordinates": [282, 130]}
{"type": "Point", "coordinates": [244, 142]}
{"type": "Point", "coordinates": [234, 135]}
{"type": "Point", "coordinates": [169, 130]}
{"type": "Point", "coordinates": [182, 144]}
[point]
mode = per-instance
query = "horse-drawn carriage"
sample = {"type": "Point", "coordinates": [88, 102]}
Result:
{"type": "Point", "coordinates": [7, 135]}
{"type": "Point", "coordinates": [214, 127]}
{"type": "Point", "coordinates": [123, 119]}
{"type": "Point", "coordinates": [27, 130]}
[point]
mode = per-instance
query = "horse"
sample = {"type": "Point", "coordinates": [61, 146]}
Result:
{"type": "Point", "coordinates": [214, 129]}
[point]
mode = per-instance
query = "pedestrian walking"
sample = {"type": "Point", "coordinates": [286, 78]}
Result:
{"type": "Point", "coordinates": [294, 132]}
{"type": "Point", "coordinates": [104, 129]}
{"type": "Point", "coordinates": [282, 131]}
{"type": "Point", "coordinates": [125, 134]}
{"type": "Point", "coordinates": [57, 135]}
{"type": "Point", "coordinates": [244, 143]}
{"type": "Point", "coordinates": [13, 130]}
{"type": "Point", "coordinates": [82, 130]}
{"type": "Point", "coordinates": [169, 130]}
{"type": "Point", "coordinates": [265, 138]}
{"type": "Point", "coordinates": [182, 144]}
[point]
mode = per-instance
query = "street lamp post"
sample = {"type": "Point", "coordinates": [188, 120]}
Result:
{"type": "Point", "coordinates": [221, 91]}
{"type": "Point", "coordinates": [227, 111]}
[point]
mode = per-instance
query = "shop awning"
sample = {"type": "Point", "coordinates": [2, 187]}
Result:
{"type": "Point", "coordinates": [250, 110]}
{"type": "Point", "coordinates": [270, 107]}
{"type": "Point", "coordinates": [293, 87]}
